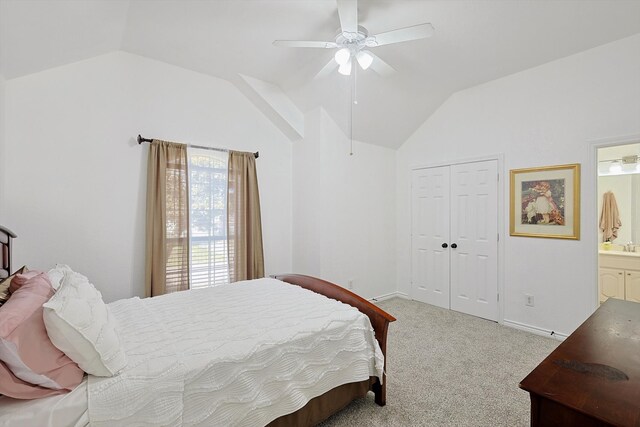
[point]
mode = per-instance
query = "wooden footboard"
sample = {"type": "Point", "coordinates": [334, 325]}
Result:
{"type": "Point", "coordinates": [379, 318]}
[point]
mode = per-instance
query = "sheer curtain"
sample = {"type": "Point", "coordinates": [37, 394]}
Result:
{"type": "Point", "coordinates": [244, 227]}
{"type": "Point", "coordinates": [167, 240]}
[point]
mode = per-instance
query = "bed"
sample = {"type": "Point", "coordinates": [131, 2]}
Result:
{"type": "Point", "coordinates": [295, 348]}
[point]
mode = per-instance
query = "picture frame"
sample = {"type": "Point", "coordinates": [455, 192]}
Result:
{"type": "Point", "coordinates": [545, 202]}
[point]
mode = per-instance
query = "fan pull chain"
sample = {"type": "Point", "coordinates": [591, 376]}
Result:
{"type": "Point", "coordinates": [355, 86]}
{"type": "Point", "coordinates": [353, 101]}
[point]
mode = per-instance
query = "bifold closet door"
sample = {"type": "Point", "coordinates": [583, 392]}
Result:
{"type": "Point", "coordinates": [429, 233]}
{"type": "Point", "coordinates": [474, 237]}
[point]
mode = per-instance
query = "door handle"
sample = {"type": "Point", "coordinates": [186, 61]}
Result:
{"type": "Point", "coordinates": [444, 245]}
{"type": "Point", "coordinates": [453, 246]}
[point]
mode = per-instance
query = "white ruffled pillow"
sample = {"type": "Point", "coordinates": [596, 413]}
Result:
{"type": "Point", "coordinates": [56, 274]}
{"type": "Point", "coordinates": [79, 323]}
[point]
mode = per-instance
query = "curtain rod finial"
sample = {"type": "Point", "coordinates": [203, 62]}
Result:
{"type": "Point", "coordinates": [139, 139]}
{"type": "Point", "coordinates": [256, 154]}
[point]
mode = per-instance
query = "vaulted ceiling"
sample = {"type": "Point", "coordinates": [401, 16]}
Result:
{"type": "Point", "coordinates": [474, 42]}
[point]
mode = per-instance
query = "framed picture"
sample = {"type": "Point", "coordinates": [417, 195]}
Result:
{"type": "Point", "coordinates": [545, 202]}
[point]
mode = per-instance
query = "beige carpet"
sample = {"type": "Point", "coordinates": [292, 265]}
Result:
{"type": "Point", "coordinates": [449, 369]}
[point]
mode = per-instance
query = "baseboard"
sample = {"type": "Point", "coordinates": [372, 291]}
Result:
{"type": "Point", "coordinates": [389, 296]}
{"type": "Point", "coordinates": [510, 323]}
{"type": "Point", "coordinates": [534, 329]}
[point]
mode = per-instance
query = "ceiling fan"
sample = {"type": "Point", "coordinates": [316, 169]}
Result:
{"type": "Point", "coordinates": [354, 42]}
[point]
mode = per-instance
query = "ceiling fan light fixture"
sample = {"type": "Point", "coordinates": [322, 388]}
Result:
{"type": "Point", "coordinates": [364, 59]}
{"type": "Point", "coordinates": [352, 42]}
{"type": "Point", "coordinates": [345, 69]}
{"type": "Point", "coordinates": [342, 56]}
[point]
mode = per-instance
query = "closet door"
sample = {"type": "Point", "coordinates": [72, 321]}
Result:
{"type": "Point", "coordinates": [429, 233]}
{"type": "Point", "coordinates": [474, 238]}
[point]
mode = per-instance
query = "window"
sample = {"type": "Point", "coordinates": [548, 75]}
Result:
{"type": "Point", "coordinates": [209, 258]}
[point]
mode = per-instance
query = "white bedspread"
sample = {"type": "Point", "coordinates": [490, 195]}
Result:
{"type": "Point", "coordinates": [234, 355]}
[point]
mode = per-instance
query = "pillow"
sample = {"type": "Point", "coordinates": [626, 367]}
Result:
{"type": "Point", "coordinates": [57, 274]}
{"type": "Point", "coordinates": [12, 386]}
{"type": "Point", "coordinates": [21, 278]}
{"type": "Point", "coordinates": [80, 324]}
{"type": "Point", "coordinates": [25, 348]}
{"type": "Point", "coordinates": [6, 283]}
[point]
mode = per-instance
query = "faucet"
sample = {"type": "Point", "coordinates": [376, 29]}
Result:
{"type": "Point", "coordinates": [629, 247]}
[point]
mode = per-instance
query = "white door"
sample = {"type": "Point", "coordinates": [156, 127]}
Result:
{"type": "Point", "coordinates": [474, 238]}
{"type": "Point", "coordinates": [429, 232]}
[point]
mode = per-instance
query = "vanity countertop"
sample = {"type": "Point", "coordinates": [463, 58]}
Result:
{"type": "Point", "coordinates": [619, 253]}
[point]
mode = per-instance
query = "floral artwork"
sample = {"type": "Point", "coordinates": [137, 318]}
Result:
{"type": "Point", "coordinates": [543, 202]}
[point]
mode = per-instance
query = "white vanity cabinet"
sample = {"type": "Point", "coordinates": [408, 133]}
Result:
{"type": "Point", "coordinates": [632, 285]}
{"type": "Point", "coordinates": [611, 282]}
{"type": "Point", "coordinates": [619, 275]}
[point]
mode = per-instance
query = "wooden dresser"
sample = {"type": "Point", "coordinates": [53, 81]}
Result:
{"type": "Point", "coordinates": [593, 377]}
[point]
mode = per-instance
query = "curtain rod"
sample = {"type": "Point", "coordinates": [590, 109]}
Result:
{"type": "Point", "coordinates": [141, 140]}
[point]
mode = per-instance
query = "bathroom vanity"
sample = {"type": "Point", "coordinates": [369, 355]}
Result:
{"type": "Point", "coordinates": [619, 275]}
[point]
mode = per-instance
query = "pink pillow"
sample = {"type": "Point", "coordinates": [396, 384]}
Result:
{"type": "Point", "coordinates": [12, 386]}
{"type": "Point", "coordinates": [21, 278]}
{"type": "Point", "coordinates": [25, 347]}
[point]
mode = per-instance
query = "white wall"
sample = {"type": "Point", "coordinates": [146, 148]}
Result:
{"type": "Point", "coordinates": [635, 210]}
{"type": "Point", "coordinates": [76, 177]}
{"type": "Point", "coordinates": [344, 209]}
{"type": "Point", "coordinates": [543, 116]}
{"type": "Point", "coordinates": [2, 155]}
{"type": "Point", "coordinates": [307, 186]}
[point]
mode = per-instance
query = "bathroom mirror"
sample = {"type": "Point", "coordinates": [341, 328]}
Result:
{"type": "Point", "coordinates": [619, 172]}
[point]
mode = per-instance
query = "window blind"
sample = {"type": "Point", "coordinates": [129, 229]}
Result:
{"type": "Point", "coordinates": [209, 257]}
{"type": "Point", "coordinates": [176, 226]}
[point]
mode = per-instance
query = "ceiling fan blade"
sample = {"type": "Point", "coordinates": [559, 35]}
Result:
{"type": "Point", "coordinates": [381, 67]}
{"type": "Point", "coordinates": [301, 43]}
{"type": "Point", "coordinates": [401, 35]}
{"type": "Point", "coordinates": [348, 12]}
{"type": "Point", "coordinates": [327, 69]}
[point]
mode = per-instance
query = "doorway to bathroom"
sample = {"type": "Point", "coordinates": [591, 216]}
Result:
{"type": "Point", "coordinates": [618, 221]}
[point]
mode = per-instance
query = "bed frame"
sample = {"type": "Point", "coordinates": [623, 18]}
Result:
{"type": "Point", "coordinates": [323, 406]}
{"type": "Point", "coordinates": [5, 251]}
{"type": "Point", "coordinates": [380, 320]}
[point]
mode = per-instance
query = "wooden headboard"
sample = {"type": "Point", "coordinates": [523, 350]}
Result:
{"type": "Point", "coordinates": [5, 251]}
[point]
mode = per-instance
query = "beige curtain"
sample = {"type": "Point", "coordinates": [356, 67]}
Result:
{"type": "Point", "coordinates": [244, 228]}
{"type": "Point", "coordinates": [167, 250]}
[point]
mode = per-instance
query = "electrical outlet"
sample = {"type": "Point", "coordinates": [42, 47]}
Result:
{"type": "Point", "coordinates": [528, 300]}
{"type": "Point", "coordinates": [350, 284]}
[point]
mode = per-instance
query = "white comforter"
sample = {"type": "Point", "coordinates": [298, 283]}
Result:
{"type": "Point", "coordinates": [234, 355]}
